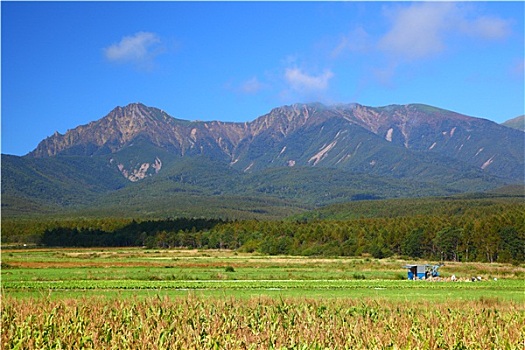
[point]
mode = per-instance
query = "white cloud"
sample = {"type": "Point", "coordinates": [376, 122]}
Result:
{"type": "Point", "coordinates": [417, 30]}
{"type": "Point", "coordinates": [140, 49]}
{"type": "Point", "coordinates": [423, 29]}
{"type": "Point", "coordinates": [303, 82]}
{"type": "Point", "coordinates": [488, 28]}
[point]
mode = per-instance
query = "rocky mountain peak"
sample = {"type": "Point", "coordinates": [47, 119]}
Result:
{"type": "Point", "coordinates": [345, 136]}
{"type": "Point", "coordinates": [285, 119]}
{"type": "Point", "coordinates": [137, 111]}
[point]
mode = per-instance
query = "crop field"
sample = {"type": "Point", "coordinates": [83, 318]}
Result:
{"type": "Point", "coordinates": [182, 299]}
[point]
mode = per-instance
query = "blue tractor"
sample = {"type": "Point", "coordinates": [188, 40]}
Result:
{"type": "Point", "coordinates": [422, 271]}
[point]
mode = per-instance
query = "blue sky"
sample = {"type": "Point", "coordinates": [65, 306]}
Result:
{"type": "Point", "coordinates": [68, 63]}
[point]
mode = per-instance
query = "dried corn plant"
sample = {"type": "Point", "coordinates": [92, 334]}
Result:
{"type": "Point", "coordinates": [260, 323]}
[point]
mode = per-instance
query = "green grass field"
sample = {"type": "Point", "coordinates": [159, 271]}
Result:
{"type": "Point", "coordinates": [189, 299]}
{"type": "Point", "coordinates": [109, 272]}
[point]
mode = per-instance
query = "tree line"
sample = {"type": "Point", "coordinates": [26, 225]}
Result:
{"type": "Point", "coordinates": [492, 238]}
{"type": "Point", "coordinates": [150, 233]}
{"type": "Point", "coordinates": [465, 231]}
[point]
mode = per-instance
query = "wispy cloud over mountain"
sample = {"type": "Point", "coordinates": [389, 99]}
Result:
{"type": "Point", "coordinates": [425, 29]}
{"type": "Point", "coordinates": [139, 49]}
{"type": "Point", "coordinates": [303, 82]}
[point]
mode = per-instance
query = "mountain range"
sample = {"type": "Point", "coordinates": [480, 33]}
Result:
{"type": "Point", "coordinates": [138, 160]}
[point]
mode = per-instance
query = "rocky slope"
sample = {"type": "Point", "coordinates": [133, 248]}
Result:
{"type": "Point", "coordinates": [397, 140]}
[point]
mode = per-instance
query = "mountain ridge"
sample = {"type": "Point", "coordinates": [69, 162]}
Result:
{"type": "Point", "coordinates": [295, 155]}
{"type": "Point", "coordinates": [261, 142]}
{"type": "Point", "coordinates": [124, 120]}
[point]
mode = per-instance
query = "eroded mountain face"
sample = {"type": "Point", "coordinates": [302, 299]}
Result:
{"type": "Point", "coordinates": [396, 140]}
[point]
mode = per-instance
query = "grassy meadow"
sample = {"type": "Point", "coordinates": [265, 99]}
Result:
{"type": "Point", "coordinates": [178, 299]}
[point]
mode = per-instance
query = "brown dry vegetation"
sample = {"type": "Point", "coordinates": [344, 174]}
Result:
{"type": "Point", "coordinates": [193, 322]}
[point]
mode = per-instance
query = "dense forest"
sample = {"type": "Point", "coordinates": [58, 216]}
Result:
{"type": "Point", "coordinates": [486, 229]}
